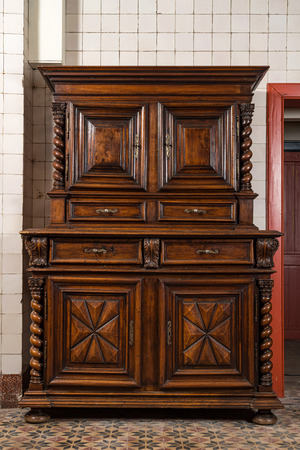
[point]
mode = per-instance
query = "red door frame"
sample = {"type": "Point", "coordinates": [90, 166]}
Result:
{"type": "Point", "coordinates": [277, 94]}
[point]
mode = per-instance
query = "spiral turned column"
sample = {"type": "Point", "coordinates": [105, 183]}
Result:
{"type": "Point", "coordinates": [246, 112]}
{"type": "Point", "coordinates": [36, 286]}
{"type": "Point", "coordinates": [265, 287]}
{"type": "Point", "coordinates": [59, 113]}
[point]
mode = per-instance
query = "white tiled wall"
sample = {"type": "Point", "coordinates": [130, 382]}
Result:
{"type": "Point", "coordinates": [126, 32]}
{"type": "Point", "coordinates": [12, 138]}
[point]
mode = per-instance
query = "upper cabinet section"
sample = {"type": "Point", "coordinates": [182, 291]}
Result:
{"type": "Point", "coordinates": [108, 146]}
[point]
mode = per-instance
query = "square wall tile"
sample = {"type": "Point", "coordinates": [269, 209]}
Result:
{"type": "Point", "coordinates": [203, 7]}
{"type": "Point", "coordinates": [258, 7]}
{"type": "Point", "coordinates": [221, 41]}
{"type": "Point", "coordinates": [293, 41]}
{"type": "Point", "coordinates": [109, 41]}
{"type": "Point", "coordinates": [147, 23]}
{"type": "Point", "coordinates": [221, 58]}
{"type": "Point", "coordinates": [221, 23]}
{"type": "Point", "coordinates": [13, 64]}
{"type": "Point", "coordinates": [202, 58]}
{"type": "Point", "coordinates": [128, 6]}
{"type": "Point", "coordinates": [110, 6]}
{"type": "Point", "coordinates": [293, 7]}
{"type": "Point", "coordinates": [278, 6]}
{"type": "Point", "coordinates": [110, 23]}
{"type": "Point", "coordinates": [184, 23]}
{"type": "Point", "coordinates": [277, 60]}
{"type": "Point", "coordinates": [11, 364]}
{"type": "Point", "coordinates": [166, 23]}
{"type": "Point", "coordinates": [277, 41]}
{"type": "Point", "coordinates": [11, 323]}
{"type": "Point", "coordinates": [165, 41]}
{"type": "Point", "coordinates": [258, 42]}
{"type": "Point", "coordinates": [11, 303]}
{"type": "Point", "coordinates": [293, 25]}
{"type": "Point", "coordinates": [128, 41]}
{"type": "Point", "coordinates": [74, 6]}
{"type": "Point", "coordinates": [184, 42]}
{"type": "Point", "coordinates": [238, 7]}
{"type": "Point", "coordinates": [13, 44]}
{"type": "Point", "coordinates": [73, 23]}
{"type": "Point", "coordinates": [240, 42]}
{"type": "Point", "coordinates": [147, 42]}
{"type": "Point", "coordinates": [129, 23]}
{"type": "Point", "coordinates": [73, 41]}
{"type": "Point", "coordinates": [259, 23]}
{"type": "Point", "coordinates": [203, 23]}
{"type": "Point", "coordinates": [240, 58]}
{"type": "Point", "coordinates": [128, 58]}
{"type": "Point", "coordinates": [277, 23]}
{"type": "Point", "coordinates": [147, 58]}
{"type": "Point", "coordinates": [184, 7]}
{"type": "Point", "coordinates": [91, 58]}
{"type": "Point", "coordinates": [148, 7]}
{"type": "Point", "coordinates": [13, 23]}
{"type": "Point", "coordinates": [11, 344]}
{"type": "Point", "coordinates": [110, 58]}
{"type": "Point", "coordinates": [165, 58]}
{"type": "Point", "coordinates": [184, 58]}
{"type": "Point", "coordinates": [166, 7]}
{"type": "Point", "coordinates": [221, 6]}
{"type": "Point", "coordinates": [91, 23]}
{"type": "Point", "coordinates": [239, 23]}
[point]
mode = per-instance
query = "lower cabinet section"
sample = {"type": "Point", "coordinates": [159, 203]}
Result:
{"type": "Point", "coordinates": [93, 333]}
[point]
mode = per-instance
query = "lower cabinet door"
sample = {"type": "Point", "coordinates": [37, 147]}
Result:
{"type": "Point", "coordinates": [207, 334]}
{"type": "Point", "coordinates": [93, 332]}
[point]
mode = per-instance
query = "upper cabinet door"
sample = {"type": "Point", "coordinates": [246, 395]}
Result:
{"type": "Point", "coordinates": [197, 147]}
{"type": "Point", "coordinates": [108, 145]}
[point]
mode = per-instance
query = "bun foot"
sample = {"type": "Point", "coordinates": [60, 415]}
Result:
{"type": "Point", "coordinates": [264, 417]}
{"type": "Point", "coordinates": [36, 416]}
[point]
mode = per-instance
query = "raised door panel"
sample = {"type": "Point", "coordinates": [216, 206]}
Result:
{"type": "Point", "coordinates": [109, 143]}
{"type": "Point", "coordinates": [197, 146]}
{"type": "Point", "coordinates": [93, 333]}
{"type": "Point", "coordinates": [207, 334]}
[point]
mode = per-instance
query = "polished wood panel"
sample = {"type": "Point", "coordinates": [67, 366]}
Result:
{"type": "Point", "coordinates": [210, 342]}
{"type": "Point", "coordinates": [99, 322]}
{"type": "Point", "coordinates": [100, 251]}
{"type": "Point", "coordinates": [206, 252]}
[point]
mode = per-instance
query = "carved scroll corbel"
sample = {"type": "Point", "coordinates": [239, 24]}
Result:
{"type": "Point", "coordinates": [36, 286]}
{"type": "Point", "coordinates": [265, 331]}
{"type": "Point", "coordinates": [37, 248]}
{"type": "Point", "coordinates": [59, 113]}
{"type": "Point", "coordinates": [246, 112]}
{"type": "Point", "coordinates": [151, 253]}
{"type": "Point", "coordinates": [265, 250]}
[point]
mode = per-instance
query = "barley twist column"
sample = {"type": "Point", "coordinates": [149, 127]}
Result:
{"type": "Point", "coordinates": [246, 111]}
{"type": "Point", "coordinates": [265, 287]}
{"type": "Point", "coordinates": [36, 286]}
{"type": "Point", "coordinates": [59, 112]}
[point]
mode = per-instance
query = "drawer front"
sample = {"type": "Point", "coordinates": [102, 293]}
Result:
{"type": "Point", "coordinates": [197, 211]}
{"type": "Point", "coordinates": [107, 211]}
{"type": "Point", "coordinates": [106, 251]}
{"type": "Point", "coordinates": [176, 252]}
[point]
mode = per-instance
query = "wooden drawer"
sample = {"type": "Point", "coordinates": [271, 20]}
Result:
{"type": "Point", "coordinates": [176, 252]}
{"type": "Point", "coordinates": [84, 210]}
{"type": "Point", "coordinates": [197, 211]}
{"type": "Point", "coordinates": [88, 251]}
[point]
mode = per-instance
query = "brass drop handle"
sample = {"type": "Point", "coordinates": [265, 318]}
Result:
{"type": "Point", "coordinates": [195, 211]}
{"type": "Point", "coordinates": [207, 252]}
{"type": "Point", "coordinates": [95, 250]}
{"type": "Point", "coordinates": [136, 147]}
{"type": "Point", "coordinates": [107, 210]}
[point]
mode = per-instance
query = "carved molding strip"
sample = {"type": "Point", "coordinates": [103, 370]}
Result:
{"type": "Point", "coordinates": [265, 287]}
{"type": "Point", "coordinates": [151, 253]}
{"type": "Point", "coordinates": [59, 113]}
{"type": "Point", "coordinates": [265, 250]}
{"type": "Point", "coordinates": [36, 286]}
{"type": "Point", "coordinates": [246, 112]}
{"type": "Point", "coordinates": [37, 248]}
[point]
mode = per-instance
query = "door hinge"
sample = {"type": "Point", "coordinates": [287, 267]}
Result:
{"type": "Point", "coordinates": [169, 332]}
{"type": "Point", "coordinates": [45, 354]}
{"type": "Point", "coordinates": [45, 305]}
{"type": "Point", "coordinates": [68, 125]}
{"type": "Point", "coordinates": [131, 333]}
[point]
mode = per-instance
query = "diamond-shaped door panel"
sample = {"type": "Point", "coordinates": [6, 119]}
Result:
{"type": "Point", "coordinates": [208, 328]}
{"type": "Point", "coordinates": [109, 146]}
{"type": "Point", "coordinates": [99, 339]}
{"type": "Point", "coordinates": [196, 147]}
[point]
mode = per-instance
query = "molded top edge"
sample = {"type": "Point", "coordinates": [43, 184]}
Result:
{"type": "Point", "coordinates": [226, 75]}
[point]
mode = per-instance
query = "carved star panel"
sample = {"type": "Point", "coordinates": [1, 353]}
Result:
{"type": "Point", "coordinates": [95, 331]}
{"type": "Point", "coordinates": [206, 333]}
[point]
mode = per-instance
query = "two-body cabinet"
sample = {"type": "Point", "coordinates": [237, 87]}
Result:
{"type": "Point", "coordinates": [151, 285]}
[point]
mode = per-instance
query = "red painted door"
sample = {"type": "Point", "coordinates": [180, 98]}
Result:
{"type": "Point", "coordinates": [292, 245]}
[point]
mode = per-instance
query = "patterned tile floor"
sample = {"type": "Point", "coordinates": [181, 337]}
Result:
{"type": "Point", "coordinates": [155, 430]}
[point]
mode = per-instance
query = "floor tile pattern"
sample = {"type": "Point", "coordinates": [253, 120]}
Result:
{"type": "Point", "coordinates": [154, 429]}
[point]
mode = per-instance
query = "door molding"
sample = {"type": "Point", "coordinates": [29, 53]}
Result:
{"type": "Point", "coordinates": [277, 94]}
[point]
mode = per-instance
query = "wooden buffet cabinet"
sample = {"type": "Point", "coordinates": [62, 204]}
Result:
{"type": "Point", "coordinates": [151, 287]}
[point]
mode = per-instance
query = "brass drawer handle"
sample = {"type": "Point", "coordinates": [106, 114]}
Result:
{"type": "Point", "coordinates": [95, 250]}
{"type": "Point", "coordinates": [195, 211]}
{"type": "Point", "coordinates": [168, 145]}
{"type": "Point", "coordinates": [107, 210]}
{"type": "Point", "coordinates": [136, 147]}
{"type": "Point", "coordinates": [207, 252]}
